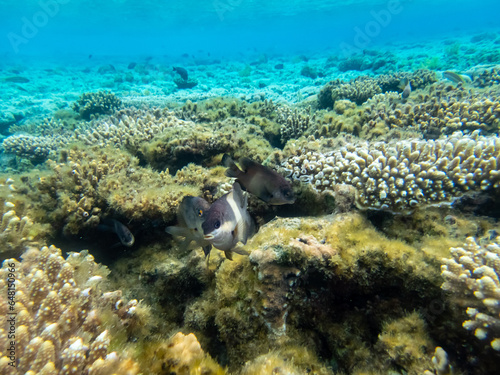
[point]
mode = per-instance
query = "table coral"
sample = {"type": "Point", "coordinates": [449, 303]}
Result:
{"type": "Point", "coordinates": [60, 311]}
{"type": "Point", "coordinates": [400, 176]}
{"type": "Point", "coordinates": [472, 275]}
{"type": "Point", "coordinates": [128, 128]}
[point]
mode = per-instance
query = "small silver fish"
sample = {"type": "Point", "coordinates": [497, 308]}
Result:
{"type": "Point", "coordinates": [190, 215]}
{"type": "Point", "coordinates": [261, 181]}
{"type": "Point", "coordinates": [228, 222]}
{"type": "Point", "coordinates": [455, 77]}
{"type": "Point", "coordinates": [124, 234]}
{"type": "Point", "coordinates": [407, 89]}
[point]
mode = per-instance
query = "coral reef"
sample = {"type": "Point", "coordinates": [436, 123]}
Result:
{"type": "Point", "coordinates": [440, 363]}
{"type": "Point", "coordinates": [298, 279]}
{"type": "Point", "coordinates": [17, 229]}
{"type": "Point", "coordinates": [92, 104]}
{"type": "Point", "coordinates": [406, 342]}
{"type": "Point", "coordinates": [358, 91]}
{"type": "Point", "coordinates": [363, 88]}
{"type": "Point", "coordinates": [182, 355]}
{"type": "Point", "coordinates": [487, 78]}
{"type": "Point", "coordinates": [443, 110]}
{"type": "Point", "coordinates": [15, 232]}
{"type": "Point", "coordinates": [293, 123]}
{"type": "Point", "coordinates": [34, 148]}
{"type": "Point", "coordinates": [59, 309]}
{"type": "Point", "coordinates": [128, 128]}
{"type": "Point", "coordinates": [185, 84]}
{"type": "Point", "coordinates": [406, 174]}
{"type": "Point", "coordinates": [472, 275]}
{"type": "Point", "coordinates": [86, 185]}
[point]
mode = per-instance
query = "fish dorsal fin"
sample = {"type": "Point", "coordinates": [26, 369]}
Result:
{"type": "Point", "coordinates": [239, 197]}
{"type": "Point", "coordinates": [232, 169]}
{"type": "Point", "coordinates": [246, 163]}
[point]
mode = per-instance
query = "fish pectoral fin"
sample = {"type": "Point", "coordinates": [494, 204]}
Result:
{"type": "Point", "coordinates": [228, 254]}
{"type": "Point", "coordinates": [177, 231]}
{"type": "Point", "coordinates": [240, 251]}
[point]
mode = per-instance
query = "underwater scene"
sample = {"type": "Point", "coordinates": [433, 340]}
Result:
{"type": "Point", "coordinates": [249, 187]}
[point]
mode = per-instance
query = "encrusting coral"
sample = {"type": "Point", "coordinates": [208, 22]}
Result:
{"type": "Point", "coordinates": [472, 275]}
{"type": "Point", "coordinates": [59, 310]}
{"type": "Point", "coordinates": [400, 176]}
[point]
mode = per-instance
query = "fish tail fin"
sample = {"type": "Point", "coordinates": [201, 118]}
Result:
{"type": "Point", "coordinates": [232, 169]}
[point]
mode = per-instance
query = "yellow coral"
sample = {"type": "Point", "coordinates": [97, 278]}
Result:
{"type": "Point", "coordinates": [56, 305]}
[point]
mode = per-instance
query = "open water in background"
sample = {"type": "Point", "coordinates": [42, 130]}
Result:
{"type": "Point", "coordinates": [226, 28]}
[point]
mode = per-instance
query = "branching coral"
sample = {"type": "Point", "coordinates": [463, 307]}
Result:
{"type": "Point", "coordinates": [96, 103]}
{"type": "Point", "coordinates": [487, 78]}
{"type": "Point", "coordinates": [363, 88]}
{"type": "Point", "coordinates": [16, 227]}
{"type": "Point", "coordinates": [293, 122]}
{"type": "Point", "coordinates": [443, 110]}
{"type": "Point", "coordinates": [59, 307]}
{"type": "Point", "coordinates": [15, 232]}
{"type": "Point", "coordinates": [472, 275]}
{"type": "Point", "coordinates": [404, 175]}
{"type": "Point", "coordinates": [35, 148]}
{"type": "Point", "coordinates": [87, 184]}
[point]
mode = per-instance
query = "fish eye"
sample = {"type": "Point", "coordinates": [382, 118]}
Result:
{"type": "Point", "coordinates": [200, 212]}
{"type": "Point", "coordinates": [217, 224]}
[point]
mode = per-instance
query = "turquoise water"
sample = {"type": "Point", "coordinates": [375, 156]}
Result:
{"type": "Point", "coordinates": [292, 84]}
{"type": "Point", "coordinates": [226, 27]}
